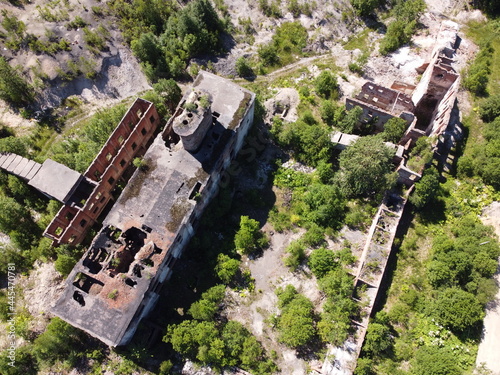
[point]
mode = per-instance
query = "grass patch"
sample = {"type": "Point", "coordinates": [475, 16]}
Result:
{"type": "Point", "coordinates": [359, 41]}
{"type": "Point", "coordinates": [483, 33]}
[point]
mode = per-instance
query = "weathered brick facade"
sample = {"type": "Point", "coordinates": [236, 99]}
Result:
{"type": "Point", "coordinates": [130, 137]}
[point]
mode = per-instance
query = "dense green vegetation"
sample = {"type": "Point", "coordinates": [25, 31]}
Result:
{"type": "Point", "coordinates": [401, 29]}
{"type": "Point", "coordinates": [296, 321]}
{"type": "Point", "coordinates": [364, 7]}
{"type": "Point", "coordinates": [17, 202]}
{"type": "Point", "coordinates": [442, 283]}
{"type": "Point", "coordinates": [59, 343]}
{"type": "Point", "coordinates": [219, 345]}
{"type": "Point", "coordinates": [165, 38]}
{"type": "Point", "coordinates": [394, 130]}
{"type": "Point", "coordinates": [481, 157]}
{"type": "Point", "coordinates": [249, 238]}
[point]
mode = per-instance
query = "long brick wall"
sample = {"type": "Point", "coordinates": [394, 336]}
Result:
{"type": "Point", "coordinates": [131, 136]}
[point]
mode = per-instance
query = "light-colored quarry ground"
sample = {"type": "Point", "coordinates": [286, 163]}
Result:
{"type": "Point", "coordinates": [119, 74]}
{"type": "Point", "coordinates": [489, 349]}
{"type": "Point", "coordinates": [270, 273]}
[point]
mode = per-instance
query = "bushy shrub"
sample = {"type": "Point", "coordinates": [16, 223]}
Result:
{"type": "Point", "coordinates": [13, 87]}
{"type": "Point", "coordinates": [364, 7]}
{"type": "Point", "coordinates": [365, 167]}
{"type": "Point", "coordinates": [489, 110]}
{"type": "Point", "coordinates": [326, 85]}
{"type": "Point", "coordinates": [243, 68]}
{"type": "Point", "coordinates": [322, 261]}
{"type": "Point", "coordinates": [249, 237]}
{"type": "Point", "coordinates": [296, 322]}
{"type": "Point", "coordinates": [477, 75]}
{"type": "Point", "coordinates": [394, 129]}
{"type": "Point", "coordinates": [296, 254]}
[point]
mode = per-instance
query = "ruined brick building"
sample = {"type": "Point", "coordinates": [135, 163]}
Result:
{"type": "Point", "coordinates": [426, 107]}
{"type": "Point", "coordinates": [118, 279]}
{"type": "Point", "coordinates": [86, 195]}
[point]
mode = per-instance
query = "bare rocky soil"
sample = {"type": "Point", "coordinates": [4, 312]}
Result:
{"type": "Point", "coordinates": [118, 72]}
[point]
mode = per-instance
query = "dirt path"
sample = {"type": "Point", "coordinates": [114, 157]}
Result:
{"type": "Point", "coordinates": [489, 348]}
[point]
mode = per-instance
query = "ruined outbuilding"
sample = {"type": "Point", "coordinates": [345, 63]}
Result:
{"type": "Point", "coordinates": [129, 139]}
{"type": "Point", "coordinates": [118, 279]}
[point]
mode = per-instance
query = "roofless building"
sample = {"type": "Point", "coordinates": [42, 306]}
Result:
{"type": "Point", "coordinates": [118, 279]}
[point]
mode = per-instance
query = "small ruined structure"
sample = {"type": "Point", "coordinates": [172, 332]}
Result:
{"type": "Point", "coordinates": [118, 279]}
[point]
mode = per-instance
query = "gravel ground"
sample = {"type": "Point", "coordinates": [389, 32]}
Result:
{"type": "Point", "coordinates": [489, 349]}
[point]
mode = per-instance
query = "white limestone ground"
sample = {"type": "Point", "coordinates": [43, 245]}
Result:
{"type": "Point", "coordinates": [489, 348]}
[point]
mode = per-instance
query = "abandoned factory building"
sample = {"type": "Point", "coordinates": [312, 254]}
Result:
{"type": "Point", "coordinates": [118, 279]}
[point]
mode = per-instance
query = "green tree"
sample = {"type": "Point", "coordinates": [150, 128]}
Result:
{"type": "Point", "coordinates": [364, 366]}
{"type": "Point", "coordinates": [268, 54]}
{"type": "Point", "coordinates": [296, 323]}
{"type": "Point", "coordinates": [249, 238]}
{"type": "Point", "coordinates": [489, 110]}
{"type": "Point", "coordinates": [25, 363]}
{"type": "Point", "coordinates": [394, 129]}
{"type": "Point", "coordinates": [165, 367]}
{"type": "Point", "coordinates": [325, 172]}
{"type": "Point", "coordinates": [457, 309]}
{"type": "Point", "coordinates": [351, 120]}
{"type": "Point", "coordinates": [13, 87]}
{"type": "Point", "coordinates": [170, 91]}
{"type": "Point", "coordinates": [427, 189]}
{"type": "Point", "coordinates": [147, 48]}
{"type": "Point", "coordinates": [327, 112]}
{"type": "Point", "coordinates": [326, 205]}
{"type": "Point", "coordinates": [12, 214]}
{"type": "Point", "coordinates": [208, 305]}
{"type": "Point", "coordinates": [364, 7]}
{"type": "Point", "coordinates": [243, 68]}
{"type": "Point", "coordinates": [322, 261]}
{"type": "Point", "coordinates": [234, 335]}
{"type": "Point", "coordinates": [64, 264]}
{"type": "Point", "coordinates": [296, 254]}
{"type": "Point", "coordinates": [365, 167]}
{"type": "Point", "coordinates": [337, 283]}
{"type": "Point", "coordinates": [57, 342]}
{"type": "Point", "coordinates": [326, 84]}
{"type": "Point", "coordinates": [378, 339]}
{"type": "Point", "coordinates": [226, 268]}
{"type": "Point", "coordinates": [192, 338]}
{"type": "Point", "coordinates": [400, 31]}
